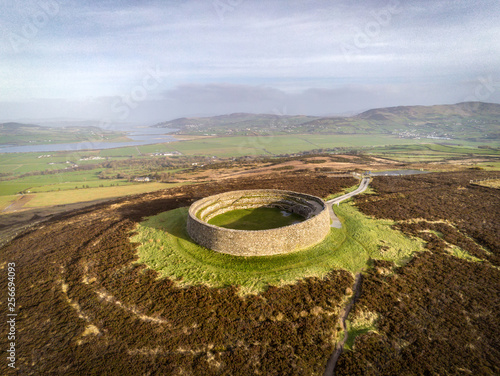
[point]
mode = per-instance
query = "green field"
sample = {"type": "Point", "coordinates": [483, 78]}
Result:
{"type": "Point", "coordinates": [255, 219]}
{"type": "Point", "coordinates": [271, 145]}
{"type": "Point", "coordinates": [166, 247]}
{"type": "Point", "coordinates": [6, 201]}
{"type": "Point", "coordinates": [275, 145]}
{"type": "Point", "coordinates": [55, 182]}
{"type": "Point", "coordinates": [489, 166]}
{"type": "Point", "coordinates": [385, 145]}
{"type": "Point", "coordinates": [59, 175]}
{"type": "Point", "coordinates": [433, 152]}
{"type": "Point", "coordinates": [90, 194]}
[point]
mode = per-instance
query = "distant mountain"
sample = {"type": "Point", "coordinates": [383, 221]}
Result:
{"type": "Point", "coordinates": [463, 110]}
{"type": "Point", "coordinates": [14, 127]}
{"type": "Point", "coordinates": [21, 128]}
{"type": "Point", "coordinates": [71, 123]}
{"type": "Point", "coordinates": [467, 120]}
{"type": "Point", "coordinates": [18, 134]}
{"type": "Point", "coordinates": [79, 125]}
{"type": "Point", "coordinates": [237, 123]}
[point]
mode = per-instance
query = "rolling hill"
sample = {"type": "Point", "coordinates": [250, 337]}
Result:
{"type": "Point", "coordinates": [237, 124]}
{"type": "Point", "coordinates": [19, 134]}
{"type": "Point", "coordinates": [474, 121]}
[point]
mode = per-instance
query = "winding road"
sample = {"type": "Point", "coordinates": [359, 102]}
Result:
{"type": "Point", "coordinates": [362, 187]}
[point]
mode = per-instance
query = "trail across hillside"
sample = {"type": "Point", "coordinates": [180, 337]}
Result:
{"type": "Point", "coordinates": [18, 203]}
{"type": "Point", "coordinates": [362, 187]}
{"type": "Point", "coordinates": [330, 366]}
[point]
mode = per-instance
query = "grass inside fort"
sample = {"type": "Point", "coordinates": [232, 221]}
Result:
{"type": "Point", "coordinates": [255, 219]}
{"type": "Point", "coordinates": [166, 247]}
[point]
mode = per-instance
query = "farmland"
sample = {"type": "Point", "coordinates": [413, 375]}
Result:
{"type": "Point", "coordinates": [71, 171]}
{"type": "Point", "coordinates": [287, 144]}
{"type": "Point", "coordinates": [89, 194]}
{"type": "Point", "coordinates": [428, 137]}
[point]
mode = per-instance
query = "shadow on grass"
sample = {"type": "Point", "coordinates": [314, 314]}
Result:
{"type": "Point", "coordinates": [179, 245]}
{"type": "Point", "coordinates": [263, 218]}
{"type": "Point", "coordinates": [165, 223]}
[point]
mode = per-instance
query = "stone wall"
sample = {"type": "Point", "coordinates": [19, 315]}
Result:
{"type": "Point", "coordinates": [262, 242]}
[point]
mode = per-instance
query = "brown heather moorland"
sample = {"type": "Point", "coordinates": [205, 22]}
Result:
{"type": "Point", "coordinates": [85, 307]}
{"type": "Point", "coordinates": [439, 314]}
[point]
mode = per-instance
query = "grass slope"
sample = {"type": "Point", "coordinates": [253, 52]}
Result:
{"type": "Point", "coordinates": [165, 246]}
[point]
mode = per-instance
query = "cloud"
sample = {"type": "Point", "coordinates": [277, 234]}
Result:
{"type": "Point", "coordinates": [222, 98]}
{"type": "Point", "coordinates": [225, 93]}
{"type": "Point", "coordinates": [257, 56]}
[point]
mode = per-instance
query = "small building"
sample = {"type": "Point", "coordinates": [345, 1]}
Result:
{"type": "Point", "coordinates": [143, 179]}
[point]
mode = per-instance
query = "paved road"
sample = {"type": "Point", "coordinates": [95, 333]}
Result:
{"type": "Point", "coordinates": [362, 187]}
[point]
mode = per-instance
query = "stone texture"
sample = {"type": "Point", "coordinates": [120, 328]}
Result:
{"type": "Point", "coordinates": [263, 242]}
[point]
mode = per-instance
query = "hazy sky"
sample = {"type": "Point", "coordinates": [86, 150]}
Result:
{"type": "Point", "coordinates": [150, 61]}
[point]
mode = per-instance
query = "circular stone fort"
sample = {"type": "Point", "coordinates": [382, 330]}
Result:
{"type": "Point", "coordinates": [286, 239]}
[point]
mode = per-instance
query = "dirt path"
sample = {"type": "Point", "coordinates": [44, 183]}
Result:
{"type": "Point", "coordinates": [18, 204]}
{"type": "Point", "coordinates": [330, 366]}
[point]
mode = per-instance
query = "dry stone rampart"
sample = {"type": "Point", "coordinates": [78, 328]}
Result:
{"type": "Point", "coordinates": [259, 242]}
